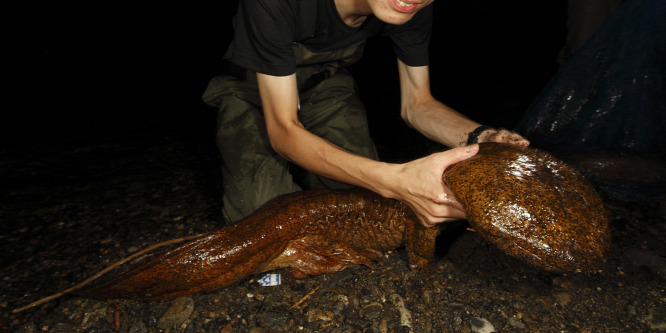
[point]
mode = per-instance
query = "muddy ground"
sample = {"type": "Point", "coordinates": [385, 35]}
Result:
{"type": "Point", "coordinates": [131, 168]}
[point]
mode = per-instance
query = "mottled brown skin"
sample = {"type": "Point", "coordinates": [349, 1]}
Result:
{"type": "Point", "coordinates": [523, 200]}
{"type": "Point", "coordinates": [533, 207]}
{"type": "Point", "coordinates": [313, 232]}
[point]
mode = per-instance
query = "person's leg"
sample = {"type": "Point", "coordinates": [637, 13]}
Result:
{"type": "Point", "coordinates": [252, 172]}
{"type": "Point", "coordinates": [334, 111]}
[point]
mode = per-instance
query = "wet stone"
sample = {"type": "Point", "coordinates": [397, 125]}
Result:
{"type": "Point", "coordinates": [354, 320]}
{"type": "Point", "coordinates": [177, 313]}
{"type": "Point", "coordinates": [403, 329]}
{"type": "Point", "coordinates": [657, 318]}
{"type": "Point", "coordinates": [374, 328]}
{"type": "Point", "coordinates": [317, 314]}
{"type": "Point", "coordinates": [457, 323]}
{"type": "Point", "coordinates": [371, 311]}
{"type": "Point", "coordinates": [631, 310]}
{"type": "Point", "coordinates": [274, 320]}
{"type": "Point", "coordinates": [340, 304]}
{"type": "Point", "coordinates": [92, 318]}
{"type": "Point", "coordinates": [426, 297]}
{"type": "Point", "coordinates": [383, 326]}
{"type": "Point", "coordinates": [562, 298]}
{"type": "Point", "coordinates": [481, 325]}
{"type": "Point", "coordinates": [427, 326]}
{"type": "Point", "coordinates": [516, 323]}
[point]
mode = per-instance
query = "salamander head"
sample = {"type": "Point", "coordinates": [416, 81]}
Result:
{"type": "Point", "coordinates": [533, 207]}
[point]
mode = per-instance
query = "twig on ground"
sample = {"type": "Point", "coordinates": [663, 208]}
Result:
{"type": "Point", "coordinates": [305, 298]}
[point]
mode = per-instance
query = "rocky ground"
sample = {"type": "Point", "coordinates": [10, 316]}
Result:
{"type": "Point", "coordinates": [64, 219]}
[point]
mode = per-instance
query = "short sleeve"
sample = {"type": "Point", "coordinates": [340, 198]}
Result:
{"type": "Point", "coordinates": [264, 33]}
{"type": "Point", "coordinates": [411, 40]}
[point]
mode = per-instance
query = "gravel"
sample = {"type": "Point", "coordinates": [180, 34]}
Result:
{"type": "Point", "coordinates": [71, 208]}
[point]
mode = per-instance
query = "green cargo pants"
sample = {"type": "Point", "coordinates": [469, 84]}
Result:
{"type": "Point", "coordinates": [252, 172]}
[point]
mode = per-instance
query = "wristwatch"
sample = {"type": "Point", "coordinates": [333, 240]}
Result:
{"type": "Point", "coordinates": [474, 135]}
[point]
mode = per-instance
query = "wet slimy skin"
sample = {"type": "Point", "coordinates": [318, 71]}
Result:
{"type": "Point", "coordinates": [523, 200]}
{"type": "Point", "coordinates": [313, 232]}
{"type": "Point", "coordinates": [533, 206]}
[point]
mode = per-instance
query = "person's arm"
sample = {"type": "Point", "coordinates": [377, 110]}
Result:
{"type": "Point", "coordinates": [437, 121]}
{"type": "Point", "coordinates": [279, 97]}
{"type": "Point", "coordinates": [417, 183]}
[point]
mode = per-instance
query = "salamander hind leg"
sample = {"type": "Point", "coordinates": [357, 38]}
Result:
{"type": "Point", "coordinates": [314, 255]}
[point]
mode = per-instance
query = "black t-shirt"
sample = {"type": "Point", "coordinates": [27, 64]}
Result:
{"type": "Point", "coordinates": [266, 29]}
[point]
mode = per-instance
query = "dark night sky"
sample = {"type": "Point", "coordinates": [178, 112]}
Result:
{"type": "Point", "coordinates": [108, 71]}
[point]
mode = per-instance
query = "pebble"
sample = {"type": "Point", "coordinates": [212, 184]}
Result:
{"type": "Point", "coordinates": [514, 322]}
{"type": "Point", "coordinates": [317, 314]}
{"type": "Point", "coordinates": [631, 310]}
{"type": "Point", "coordinates": [562, 282]}
{"type": "Point", "coordinates": [457, 324]}
{"type": "Point", "coordinates": [340, 306]}
{"type": "Point", "coordinates": [371, 311]}
{"type": "Point", "coordinates": [274, 320]}
{"type": "Point", "coordinates": [91, 318]}
{"type": "Point", "coordinates": [657, 318]}
{"type": "Point", "coordinates": [562, 298]}
{"type": "Point", "coordinates": [426, 297]}
{"type": "Point", "coordinates": [481, 325]}
{"type": "Point", "coordinates": [383, 326]}
{"type": "Point", "coordinates": [177, 313]}
{"type": "Point", "coordinates": [427, 326]}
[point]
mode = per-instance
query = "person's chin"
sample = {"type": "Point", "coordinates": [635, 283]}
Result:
{"type": "Point", "coordinates": [396, 18]}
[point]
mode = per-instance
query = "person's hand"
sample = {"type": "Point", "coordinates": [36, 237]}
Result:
{"type": "Point", "coordinates": [419, 184]}
{"type": "Point", "coordinates": [504, 136]}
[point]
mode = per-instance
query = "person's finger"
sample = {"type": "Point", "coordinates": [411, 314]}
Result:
{"type": "Point", "coordinates": [510, 137]}
{"type": "Point", "coordinates": [449, 199]}
{"type": "Point", "coordinates": [435, 214]}
{"type": "Point", "coordinates": [452, 215]}
{"type": "Point", "coordinates": [455, 155]}
{"type": "Point", "coordinates": [450, 157]}
{"type": "Point", "coordinates": [516, 139]}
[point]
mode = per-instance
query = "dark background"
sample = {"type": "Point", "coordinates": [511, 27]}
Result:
{"type": "Point", "coordinates": [125, 73]}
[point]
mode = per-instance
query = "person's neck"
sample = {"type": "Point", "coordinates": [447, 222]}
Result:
{"type": "Point", "coordinates": [353, 12]}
